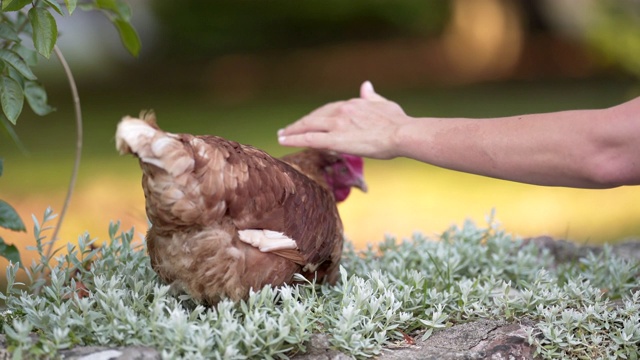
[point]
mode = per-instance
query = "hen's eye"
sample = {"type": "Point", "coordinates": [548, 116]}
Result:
{"type": "Point", "coordinates": [343, 170]}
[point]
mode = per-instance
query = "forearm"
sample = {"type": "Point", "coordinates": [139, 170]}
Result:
{"type": "Point", "coordinates": [573, 148]}
{"type": "Point", "coordinates": [579, 148]}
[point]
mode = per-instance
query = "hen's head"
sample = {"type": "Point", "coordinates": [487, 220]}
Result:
{"type": "Point", "coordinates": [343, 173]}
{"type": "Point", "coordinates": [339, 172]}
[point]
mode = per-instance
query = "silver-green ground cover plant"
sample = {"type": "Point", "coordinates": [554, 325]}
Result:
{"type": "Point", "coordinates": [109, 295]}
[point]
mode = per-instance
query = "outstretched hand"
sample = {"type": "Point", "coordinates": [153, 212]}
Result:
{"type": "Point", "coordinates": [365, 126]}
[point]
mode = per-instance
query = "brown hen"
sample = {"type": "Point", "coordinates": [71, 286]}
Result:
{"type": "Point", "coordinates": [227, 217]}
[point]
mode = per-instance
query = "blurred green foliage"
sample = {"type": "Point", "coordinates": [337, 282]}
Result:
{"type": "Point", "coordinates": [203, 28]}
{"type": "Point", "coordinates": [615, 33]}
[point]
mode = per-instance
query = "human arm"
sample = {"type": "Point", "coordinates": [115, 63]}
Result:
{"type": "Point", "coordinates": [577, 148]}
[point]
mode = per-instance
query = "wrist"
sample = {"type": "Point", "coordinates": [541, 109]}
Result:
{"type": "Point", "coordinates": [400, 139]}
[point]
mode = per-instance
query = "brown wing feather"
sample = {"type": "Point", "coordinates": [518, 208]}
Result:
{"type": "Point", "coordinates": [277, 197]}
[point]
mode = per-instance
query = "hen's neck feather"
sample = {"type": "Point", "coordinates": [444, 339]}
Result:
{"type": "Point", "coordinates": [311, 163]}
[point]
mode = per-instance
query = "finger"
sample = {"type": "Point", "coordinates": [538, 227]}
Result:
{"type": "Point", "coordinates": [324, 141]}
{"type": "Point", "coordinates": [368, 93]}
{"type": "Point", "coordinates": [318, 140]}
{"type": "Point", "coordinates": [312, 121]}
{"type": "Point", "coordinates": [327, 109]}
{"type": "Point", "coordinates": [307, 124]}
{"type": "Point", "coordinates": [324, 111]}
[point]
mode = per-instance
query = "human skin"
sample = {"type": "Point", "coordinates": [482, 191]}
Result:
{"type": "Point", "coordinates": [596, 148]}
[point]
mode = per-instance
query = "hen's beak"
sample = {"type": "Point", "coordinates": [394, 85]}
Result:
{"type": "Point", "coordinates": [360, 184]}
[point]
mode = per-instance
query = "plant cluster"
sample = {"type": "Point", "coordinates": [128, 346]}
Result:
{"type": "Point", "coordinates": [33, 20]}
{"type": "Point", "coordinates": [109, 295]}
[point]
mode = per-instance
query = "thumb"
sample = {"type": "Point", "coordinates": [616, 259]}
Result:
{"type": "Point", "coordinates": [368, 93]}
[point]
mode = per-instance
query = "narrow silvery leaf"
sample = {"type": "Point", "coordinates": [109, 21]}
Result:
{"type": "Point", "coordinates": [45, 30]}
{"type": "Point", "coordinates": [37, 98]}
{"type": "Point", "coordinates": [11, 97]}
{"type": "Point", "coordinates": [17, 62]}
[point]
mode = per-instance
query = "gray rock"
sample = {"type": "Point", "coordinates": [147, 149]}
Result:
{"type": "Point", "coordinates": [105, 353]}
{"type": "Point", "coordinates": [567, 251]}
{"type": "Point", "coordinates": [482, 339]}
{"type": "Point", "coordinates": [318, 348]}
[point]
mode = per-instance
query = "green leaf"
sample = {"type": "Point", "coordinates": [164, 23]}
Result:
{"type": "Point", "coordinates": [45, 30]}
{"type": "Point", "coordinates": [23, 19]}
{"type": "Point", "coordinates": [120, 8]}
{"type": "Point", "coordinates": [7, 32]}
{"type": "Point", "coordinates": [15, 75]}
{"type": "Point", "coordinates": [12, 98]}
{"type": "Point", "coordinates": [129, 37]}
{"type": "Point", "coordinates": [14, 5]}
{"type": "Point", "coordinates": [11, 133]}
{"type": "Point", "coordinates": [37, 98]}
{"type": "Point", "coordinates": [1, 166]}
{"type": "Point", "coordinates": [9, 218]}
{"type": "Point", "coordinates": [17, 62]}
{"type": "Point", "coordinates": [30, 56]}
{"type": "Point", "coordinates": [10, 252]}
{"type": "Point", "coordinates": [87, 6]}
{"type": "Point", "coordinates": [71, 5]}
{"type": "Point", "coordinates": [54, 4]}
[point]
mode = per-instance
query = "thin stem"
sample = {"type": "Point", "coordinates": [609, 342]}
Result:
{"type": "Point", "coordinates": [76, 164]}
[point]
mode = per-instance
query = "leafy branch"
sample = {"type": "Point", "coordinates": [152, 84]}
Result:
{"type": "Point", "coordinates": [26, 19]}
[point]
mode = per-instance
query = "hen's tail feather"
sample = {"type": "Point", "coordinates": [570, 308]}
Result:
{"type": "Point", "coordinates": [153, 146]}
{"type": "Point", "coordinates": [181, 183]}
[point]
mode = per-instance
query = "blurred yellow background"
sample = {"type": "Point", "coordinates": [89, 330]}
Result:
{"type": "Point", "coordinates": [211, 67]}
